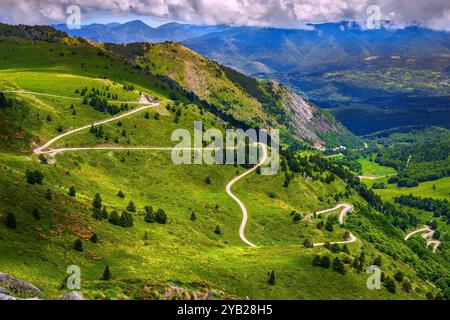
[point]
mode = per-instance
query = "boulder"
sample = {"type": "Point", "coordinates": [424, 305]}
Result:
{"type": "Point", "coordinates": [73, 295]}
{"type": "Point", "coordinates": [18, 287]}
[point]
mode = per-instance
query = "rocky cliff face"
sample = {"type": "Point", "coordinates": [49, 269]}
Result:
{"type": "Point", "coordinates": [314, 125]}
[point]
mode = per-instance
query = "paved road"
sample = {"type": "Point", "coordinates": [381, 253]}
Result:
{"type": "Point", "coordinates": [239, 202]}
{"type": "Point", "coordinates": [66, 97]}
{"type": "Point", "coordinates": [428, 236]}
{"type": "Point", "coordinates": [40, 150]}
{"type": "Point", "coordinates": [346, 208]}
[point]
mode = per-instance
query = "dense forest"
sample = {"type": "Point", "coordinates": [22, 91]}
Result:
{"type": "Point", "coordinates": [420, 155]}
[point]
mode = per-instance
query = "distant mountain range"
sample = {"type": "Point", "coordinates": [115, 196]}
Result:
{"type": "Point", "coordinates": [138, 31]}
{"type": "Point", "coordinates": [371, 80]}
{"type": "Point", "coordinates": [267, 50]}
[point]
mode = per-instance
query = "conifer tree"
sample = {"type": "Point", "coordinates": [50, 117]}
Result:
{"type": "Point", "coordinates": [107, 274]}
{"type": "Point", "coordinates": [78, 245]}
{"type": "Point", "coordinates": [10, 220]}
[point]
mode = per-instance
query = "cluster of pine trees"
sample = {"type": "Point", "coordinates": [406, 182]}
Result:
{"type": "Point", "coordinates": [151, 216]}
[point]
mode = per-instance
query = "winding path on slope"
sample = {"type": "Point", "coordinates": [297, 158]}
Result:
{"type": "Point", "coordinates": [145, 104]}
{"type": "Point", "coordinates": [66, 97]}
{"type": "Point", "coordinates": [239, 202]}
{"type": "Point", "coordinates": [427, 236]}
{"type": "Point", "coordinates": [345, 209]}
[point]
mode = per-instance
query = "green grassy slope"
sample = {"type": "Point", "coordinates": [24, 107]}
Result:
{"type": "Point", "coordinates": [182, 253]}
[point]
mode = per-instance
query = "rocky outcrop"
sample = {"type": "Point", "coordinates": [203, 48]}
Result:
{"type": "Point", "coordinates": [13, 286]}
{"type": "Point", "coordinates": [74, 295]}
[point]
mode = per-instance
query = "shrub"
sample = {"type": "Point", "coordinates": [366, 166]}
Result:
{"type": "Point", "coordinates": [48, 194]}
{"type": "Point", "coordinates": [72, 192]}
{"type": "Point", "coordinates": [78, 245]}
{"type": "Point", "coordinates": [34, 177]}
{"type": "Point", "coordinates": [208, 180]}
{"type": "Point", "coordinates": [296, 217]}
{"type": "Point", "coordinates": [131, 207]}
{"type": "Point", "coordinates": [193, 216]}
{"type": "Point", "coordinates": [10, 220]}
{"type": "Point", "coordinates": [272, 278]}
{"type": "Point", "coordinates": [218, 230]}
{"type": "Point", "coordinates": [36, 214]}
{"type": "Point", "coordinates": [94, 238]}
{"type": "Point", "coordinates": [120, 194]}
{"type": "Point", "coordinates": [308, 243]}
{"type": "Point", "coordinates": [161, 216]}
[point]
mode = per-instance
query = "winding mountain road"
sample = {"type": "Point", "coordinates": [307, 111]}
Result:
{"type": "Point", "coordinates": [145, 104]}
{"type": "Point", "coordinates": [346, 208]}
{"type": "Point", "coordinates": [239, 202]}
{"type": "Point", "coordinates": [428, 236]}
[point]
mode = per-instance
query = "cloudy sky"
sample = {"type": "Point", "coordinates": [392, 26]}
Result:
{"type": "Point", "coordinates": [277, 13]}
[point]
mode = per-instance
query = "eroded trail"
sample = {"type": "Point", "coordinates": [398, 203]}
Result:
{"type": "Point", "coordinates": [345, 209]}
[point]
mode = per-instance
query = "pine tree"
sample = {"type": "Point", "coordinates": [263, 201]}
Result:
{"type": "Point", "coordinates": [36, 214]}
{"type": "Point", "coordinates": [96, 214]}
{"type": "Point", "coordinates": [161, 216]}
{"type": "Point", "coordinates": [149, 215]}
{"type": "Point", "coordinates": [94, 238]}
{"type": "Point", "coordinates": [208, 180]}
{"type": "Point", "coordinates": [114, 218]}
{"type": "Point", "coordinates": [390, 284]}
{"type": "Point", "coordinates": [407, 286]}
{"type": "Point", "coordinates": [72, 191]}
{"type": "Point", "coordinates": [126, 220]}
{"type": "Point", "coordinates": [338, 266]}
{"type": "Point", "coordinates": [272, 278]}
{"type": "Point", "coordinates": [78, 245]}
{"type": "Point", "coordinates": [97, 202]}
{"type": "Point", "coordinates": [399, 276]}
{"type": "Point", "coordinates": [10, 220]}
{"type": "Point", "coordinates": [325, 262]}
{"type": "Point", "coordinates": [193, 216]}
{"type": "Point", "coordinates": [120, 194]}
{"type": "Point", "coordinates": [218, 230]}
{"type": "Point", "coordinates": [48, 194]}
{"type": "Point", "coordinates": [131, 207]}
{"type": "Point", "coordinates": [107, 274]}
{"type": "Point", "coordinates": [317, 261]}
{"type": "Point", "coordinates": [104, 213]}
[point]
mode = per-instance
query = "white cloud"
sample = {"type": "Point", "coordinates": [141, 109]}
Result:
{"type": "Point", "coordinates": [278, 13]}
